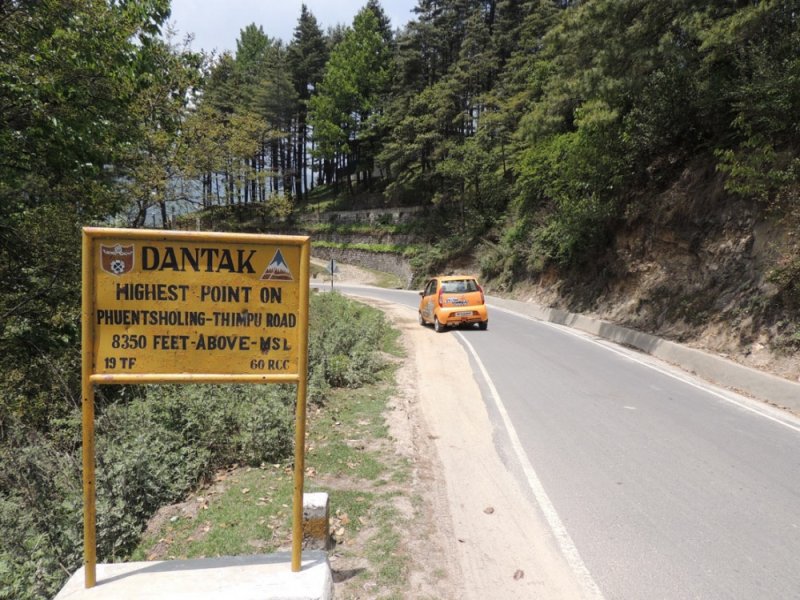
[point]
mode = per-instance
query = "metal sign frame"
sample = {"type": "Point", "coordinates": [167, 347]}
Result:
{"type": "Point", "coordinates": [91, 377]}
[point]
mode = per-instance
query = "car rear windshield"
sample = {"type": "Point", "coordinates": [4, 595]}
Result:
{"type": "Point", "coordinates": [459, 286]}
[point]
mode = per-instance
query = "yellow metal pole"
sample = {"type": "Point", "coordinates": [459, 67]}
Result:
{"type": "Point", "coordinates": [300, 425]}
{"type": "Point", "coordinates": [89, 540]}
{"type": "Point", "coordinates": [87, 393]}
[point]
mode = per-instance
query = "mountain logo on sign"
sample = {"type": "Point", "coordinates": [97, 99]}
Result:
{"type": "Point", "coordinates": [277, 269]}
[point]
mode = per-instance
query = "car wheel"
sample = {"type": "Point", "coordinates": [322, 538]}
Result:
{"type": "Point", "coordinates": [437, 326]}
{"type": "Point", "coordinates": [483, 325]}
{"type": "Point", "coordinates": [421, 320]}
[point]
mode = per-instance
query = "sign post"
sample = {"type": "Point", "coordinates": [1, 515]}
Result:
{"type": "Point", "coordinates": [332, 270]}
{"type": "Point", "coordinates": [192, 307]}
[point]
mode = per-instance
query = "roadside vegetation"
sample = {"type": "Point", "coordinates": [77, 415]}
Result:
{"type": "Point", "coordinates": [553, 143]}
{"type": "Point", "coordinates": [405, 251]}
{"type": "Point", "coordinates": [155, 444]}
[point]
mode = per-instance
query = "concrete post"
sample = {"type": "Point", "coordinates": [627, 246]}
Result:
{"type": "Point", "coordinates": [316, 518]}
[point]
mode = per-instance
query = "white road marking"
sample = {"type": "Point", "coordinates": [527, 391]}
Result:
{"type": "Point", "coordinates": [565, 543]}
{"type": "Point", "coordinates": [706, 387]}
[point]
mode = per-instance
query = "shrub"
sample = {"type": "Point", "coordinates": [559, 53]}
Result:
{"type": "Point", "coordinates": [786, 276]}
{"type": "Point", "coordinates": [40, 514]}
{"type": "Point", "coordinates": [343, 339]}
{"type": "Point", "coordinates": [163, 444]}
{"type": "Point", "coordinates": [576, 231]}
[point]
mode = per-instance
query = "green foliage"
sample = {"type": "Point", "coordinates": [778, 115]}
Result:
{"type": "Point", "coordinates": [407, 251]}
{"type": "Point", "coordinates": [239, 139]}
{"type": "Point", "coordinates": [787, 277]}
{"type": "Point", "coordinates": [90, 98]}
{"type": "Point", "coordinates": [534, 125]}
{"type": "Point", "coordinates": [434, 258]}
{"type": "Point", "coordinates": [575, 233]}
{"type": "Point", "coordinates": [158, 157]}
{"type": "Point", "coordinates": [40, 513]}
{"type": "Point", "coordinates": [150, 452]}
{"type": "Point", "coordinates": [39, 331]}
{"type": "Point", "coordinates": [614, 98]}
{"type": "Point", "coordinates": [570, 179]}
{"type": "Point", "coordinates": [307, 54]}
{"type": "Point", "coordinates": [253, 508]}
{"type": "Point", "coordinates": [343, 338]}
{"type": "Point", "coordinates": [362, 228]}
{"type": "Point", "coordinates": [162, 445]}
{"type": "Point", "coordinates": [343, 111]}
{"type": "Point", "coordinates": [762, 161]}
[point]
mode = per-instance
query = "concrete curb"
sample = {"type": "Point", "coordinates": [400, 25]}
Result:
{"type": "Point", "coordinates": [721, 371]}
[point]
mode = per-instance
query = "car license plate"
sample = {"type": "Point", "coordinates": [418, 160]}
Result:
{"type": "Point", "coordinates": [456, 301]}
{"type": "Point", "coordinates": [464, 313]}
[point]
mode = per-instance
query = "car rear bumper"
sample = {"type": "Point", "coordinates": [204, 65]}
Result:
{"type": "Point", "coordinates": [462, 314]}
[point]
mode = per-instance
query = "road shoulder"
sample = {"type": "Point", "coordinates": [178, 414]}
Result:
{"type": "Point", "coordinates": [494, 541]}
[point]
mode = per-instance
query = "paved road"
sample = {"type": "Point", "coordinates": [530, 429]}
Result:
{"type": "Point", "coordinates": [664, 487]}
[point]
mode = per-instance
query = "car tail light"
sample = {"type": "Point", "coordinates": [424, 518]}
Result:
{"type": "Point", "coordinates": [483, 299]}
{"type": "Point", "coordinates": [440, 299]}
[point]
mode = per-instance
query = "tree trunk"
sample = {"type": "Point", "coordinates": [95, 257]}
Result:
{"type": "Point", "coordinates": [254, 179]}
{"type": "Point", "coordinates": [312, 165]}
{"type": "Point", "coordinates": [286, 146]}
{"type": "Point", "coordinates": [164, 219]}
{"type": "Point", "coordinates": [263, 179]}
{"type": "Point", "coordinates": [275, 163]}
{"type": "Point", "coordinates": [299, 158]}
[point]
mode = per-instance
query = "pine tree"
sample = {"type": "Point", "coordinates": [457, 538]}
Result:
{"type": "Point", "coordinates": [350, 96]}
{"type": "Point", "coordinates": [307, 55]}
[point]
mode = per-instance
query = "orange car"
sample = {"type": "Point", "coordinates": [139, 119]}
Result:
{"type": "Point", "coordinates": [453, 300]}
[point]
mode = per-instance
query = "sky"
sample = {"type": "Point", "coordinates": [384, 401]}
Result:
{"type": "Point", "coordinates": [216, 23]}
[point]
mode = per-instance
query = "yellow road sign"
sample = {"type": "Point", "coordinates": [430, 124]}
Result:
{"type": "Point", "coordinates": [192, 307]}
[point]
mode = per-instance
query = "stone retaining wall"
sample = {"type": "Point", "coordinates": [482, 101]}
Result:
{"type": "Point", "coordinates": [396, 239]}
{"type": "Point", "coordinates": [386, 262]}
{"type": "Point", "coordinates": [398, 214]}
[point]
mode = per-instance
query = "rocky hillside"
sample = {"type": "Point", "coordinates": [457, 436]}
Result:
{"type": "Point", "coordinates": [696, 266]}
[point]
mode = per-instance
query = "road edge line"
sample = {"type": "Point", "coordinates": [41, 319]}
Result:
{"type": "Point", "coordinates": [754, 405]}
{"type": "Point", "coordinates": [564, 540]}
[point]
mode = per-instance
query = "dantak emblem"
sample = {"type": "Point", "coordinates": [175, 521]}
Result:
{"type": "Point", "coordinates": [277, 269]}
{"type": "Point", "coordinates": [117, 259]}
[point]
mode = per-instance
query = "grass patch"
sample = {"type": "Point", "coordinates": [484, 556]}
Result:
{"type": "Point", "coordinates": [250, 514]}
{"type": "Point", "coordinates": [406, 251]}
{"type": "Point", "coordinates": [362, 228]}
{"type": "Point", "coordinates": [392, 345]}
{"type": "Point", "coordinates": [383, 548]}
{"type": "Point", "coordinates": [351, 419]}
